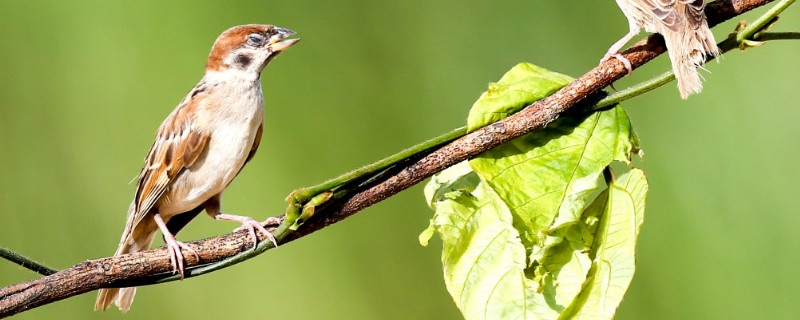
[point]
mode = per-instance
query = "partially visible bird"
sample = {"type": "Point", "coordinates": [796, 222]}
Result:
{"type": "Point", "coordinates": [201, 146]}
{"type": "Point", "coordinates": [683, 25]}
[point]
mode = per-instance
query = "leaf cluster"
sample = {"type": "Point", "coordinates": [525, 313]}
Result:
{"type": "Point", "coordinates": [539, 228]}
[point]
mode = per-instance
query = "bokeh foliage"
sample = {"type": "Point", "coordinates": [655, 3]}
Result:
{"type": "Point", "coordinates": [84, 85]}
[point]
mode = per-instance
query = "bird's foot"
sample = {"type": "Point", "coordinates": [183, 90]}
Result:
{"type": "Point", "coordinates": [618, 56]}
{"type": "Point", "coordinates": [176, 257]}
{"type": "Point", "coordinates": [251, 225]}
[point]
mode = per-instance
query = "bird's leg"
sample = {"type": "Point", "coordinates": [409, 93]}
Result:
{"type": "Point", "coordinates": [174, 246]}
{"type": "Point", "coordinates": [613, 52]}
{"type": "Point", "coordinates": [251, 225]}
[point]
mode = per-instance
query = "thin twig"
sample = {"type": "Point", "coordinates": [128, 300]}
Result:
{"type": "Point", "coordinates": [26, 262]}
{"type": "Point", "coordinates": [768, 36]}
{"type": "Point", "coordinates": [383, 163]}
{"type": "Point", "coordinates": [148, 267]}
{"type": "Point", "coordinates": [763, 21]}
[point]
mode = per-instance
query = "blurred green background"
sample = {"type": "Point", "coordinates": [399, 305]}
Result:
{"type": "Point", "coordinates": [84, 86]}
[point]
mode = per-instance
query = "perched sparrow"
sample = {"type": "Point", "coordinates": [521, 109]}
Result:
{"type": "Point", "coordinates": [201, 146]}
{"type": "Point", "coordinates": [683, 25]}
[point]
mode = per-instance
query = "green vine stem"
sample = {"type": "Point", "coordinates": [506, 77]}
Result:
{"type": "Point", "coordinates": [768, 36]}
{"type": "Point", "coordinates": [308, 192]}
{"type": "Point", "coordinates": [763, 22]}
{"type": "Point", "coordinates": [26, 262]}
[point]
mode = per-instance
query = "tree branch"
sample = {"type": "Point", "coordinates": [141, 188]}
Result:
{"type": "Point", "coordinates": [584, 90]}
{"type": "Point", "coordinates": [153, 266]}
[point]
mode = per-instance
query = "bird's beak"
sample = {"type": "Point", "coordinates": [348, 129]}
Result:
{"type": "Point", "coordinates": [277, 44]}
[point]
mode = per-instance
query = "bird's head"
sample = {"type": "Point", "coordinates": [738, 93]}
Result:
{"type": "Point", "coordinates": [248, 48]}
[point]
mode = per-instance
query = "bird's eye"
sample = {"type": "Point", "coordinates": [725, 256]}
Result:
{"type": "Point", "coordinates": [255, 39]}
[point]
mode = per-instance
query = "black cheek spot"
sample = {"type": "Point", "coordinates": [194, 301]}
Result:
{"type": "Point", "coordinates": [243, 60]}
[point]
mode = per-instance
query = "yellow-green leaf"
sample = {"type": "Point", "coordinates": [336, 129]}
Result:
{"type": "Point", "coordinates": [527, 229]}
{"type": "Point", "coordinates": [523, 84]}
{"type": "Point", "coordinates": [614, 249]}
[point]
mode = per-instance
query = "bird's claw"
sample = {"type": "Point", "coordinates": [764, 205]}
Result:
{"type": "Point", "coordinates": [176, 257]}
{"type": "Point", "coordinates": [618, 56]}
{"type": "Point", "coordinates": [251, 225]}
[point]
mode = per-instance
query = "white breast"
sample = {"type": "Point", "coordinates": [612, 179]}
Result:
{"type": "Point", "coordinates": [233, 129]}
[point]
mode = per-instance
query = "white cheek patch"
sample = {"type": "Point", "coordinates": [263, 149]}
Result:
{"type": "Point", "coordinates": [247, 60]}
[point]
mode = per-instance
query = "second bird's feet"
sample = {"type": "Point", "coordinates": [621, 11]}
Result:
{"type": "Point", "coordinates": [618, 56]}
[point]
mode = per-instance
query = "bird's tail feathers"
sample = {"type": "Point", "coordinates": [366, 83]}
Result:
{"type": "Point", "coordinates": [689, 50]}
{"type": "Point", "coordinates": [134, 239]}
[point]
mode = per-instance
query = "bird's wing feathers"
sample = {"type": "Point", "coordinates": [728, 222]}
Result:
{"type": "Point", "coordinates": [674, 13]}
{"type": "Point", "coordinates": [256, 142]}
{"type": "Point", "coordinates": [695, 14]}
{"type": "Point", "coordinates": [178, 145]}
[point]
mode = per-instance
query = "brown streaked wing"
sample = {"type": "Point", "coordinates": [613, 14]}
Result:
{"type": "Point", "coordinates": [178, 145]}
{"type": "Point", "coordinates": [662, 10]}
{"type": "Point", "coordinates": [669, 12]}
{"type": "Point", "coordinates": [695, 14]}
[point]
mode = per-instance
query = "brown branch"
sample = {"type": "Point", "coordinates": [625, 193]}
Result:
{"type": "Point", "coordinates": [143, 267]}
{"type": "Point", "coordinates": [536, 116]}
{"type": "Point", "coordinates": [119, 271]}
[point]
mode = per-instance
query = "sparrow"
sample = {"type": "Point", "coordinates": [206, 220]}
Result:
{"type": "Point", "coordinates": [200, 148]}
{"type": "Point", "coordinates": [683, 25]}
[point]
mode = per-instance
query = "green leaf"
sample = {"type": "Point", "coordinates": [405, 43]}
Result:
{"type": "Point", "coordinates": [614, 249]}
{"type": "Point", "coordinates": [522, 237]}
{"type": "Point", "coordinates": [457, 178]}
{"type": "Point", "coordinates": [483, 258]}
{"type": "Point", "coordinates": [548, 176]}
{"type": "Point", "coordinates": [445, 185]}
{"type": "Point", "coordinates": [635, 183]}
{"type": "Point", "coordinates": [520, 86]}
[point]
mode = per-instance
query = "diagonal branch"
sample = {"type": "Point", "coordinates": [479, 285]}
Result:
{"type": "Point", "coordinates": [152, 266]}
{"type": "Point", "coordinates": [585, 90]}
